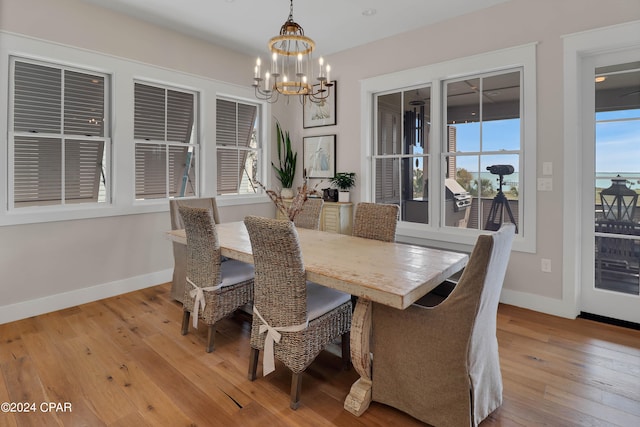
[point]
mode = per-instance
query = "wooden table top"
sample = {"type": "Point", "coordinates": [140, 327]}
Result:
{"type": "Point", "coordinates": [394, 274]}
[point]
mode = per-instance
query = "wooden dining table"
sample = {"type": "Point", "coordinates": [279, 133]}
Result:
{"type": "Point", "coordinates": [393, 274]}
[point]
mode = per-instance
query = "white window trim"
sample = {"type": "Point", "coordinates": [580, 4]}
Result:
{"type": "Point", "coordinates": [124, 73]}
{"type": "Point", "coordinates": [433, 234]}
{"type": "Point", "coordinates": [578, 48]}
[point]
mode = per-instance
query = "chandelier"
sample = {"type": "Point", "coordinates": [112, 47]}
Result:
{"type": "Point", "coordinates": [290, 67]}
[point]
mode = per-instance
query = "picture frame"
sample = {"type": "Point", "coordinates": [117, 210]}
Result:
{"type": "Point", "coordinates": [323, 113]}
{"type": "Point", "coordinates": [319, 156]}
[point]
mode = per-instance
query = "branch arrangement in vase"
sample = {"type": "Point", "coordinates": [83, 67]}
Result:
{"type": "Point", "coordinates": [296, 203]}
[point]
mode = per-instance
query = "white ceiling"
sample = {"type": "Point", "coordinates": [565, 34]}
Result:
{"type": "Point", "coordinates": [335, 25]}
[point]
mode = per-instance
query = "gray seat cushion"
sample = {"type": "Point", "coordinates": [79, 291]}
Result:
{"type": "Point", "coordinates": [321, 300]}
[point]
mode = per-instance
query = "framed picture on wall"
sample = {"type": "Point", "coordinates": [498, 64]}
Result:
{"type": "Point", "coordinates": [321, 113]}
{"type": "Point", "coordinates": [319, 156]}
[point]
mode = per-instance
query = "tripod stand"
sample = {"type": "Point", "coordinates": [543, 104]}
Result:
{"type": "Point", "coordinates": [499, 205]}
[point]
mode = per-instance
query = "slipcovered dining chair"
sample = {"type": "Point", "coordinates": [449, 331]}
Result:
{"type": "Point", "coordinates": [293, 319]}
{"type": "Point", "coordinates": [309, 215]}
{"type": "Point", "coordinates": [376, 221]}
{"type": "Point", "coordinates": [180, 250]}
{"type": "Point", "coordinates": [214, 289]}
{"type": "Point", "coordinates": [444, 369]}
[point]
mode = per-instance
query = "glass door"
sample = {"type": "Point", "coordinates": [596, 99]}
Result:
{"type": "Point", "coordinates": [611, 159]}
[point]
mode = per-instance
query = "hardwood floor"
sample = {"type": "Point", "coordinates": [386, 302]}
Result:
{"type": "Point", "coordinates": [122, 362]}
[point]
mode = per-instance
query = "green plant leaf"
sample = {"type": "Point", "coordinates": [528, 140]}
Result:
{"type": "Point", "coordinates": [286, 169]}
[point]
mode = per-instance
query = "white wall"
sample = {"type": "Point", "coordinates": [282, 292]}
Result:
{"type": "Point", "coordinates": [50, 265]}
{"type": "Point", "coordinates": [514, 23]}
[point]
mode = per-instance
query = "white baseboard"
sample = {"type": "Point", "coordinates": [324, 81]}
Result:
{"type": "Point", "coordinates": [22, 310]}
{"type": "Point", "coordinates": [555, 307]}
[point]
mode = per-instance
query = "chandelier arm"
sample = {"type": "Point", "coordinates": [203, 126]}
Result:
{"type": "Point", "coordinates": [292, 74]}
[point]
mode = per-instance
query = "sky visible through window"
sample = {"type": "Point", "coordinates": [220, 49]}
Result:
{"type": "Point", "coordinates": [497, 135]}
{"type": "Point", "coordinates": [618, 141]}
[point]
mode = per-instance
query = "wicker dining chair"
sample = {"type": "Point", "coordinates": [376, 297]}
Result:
{"type": "Point", "coordinates": [293, 319]}
{"type": "Point", "coordinates": [214, 289]}
{"type": "Point", "coordinates": [309, 215]}
{"type": "Point", "coordinates": [179, 250]}
{"type": "Point", "coordinates": [376, 221]}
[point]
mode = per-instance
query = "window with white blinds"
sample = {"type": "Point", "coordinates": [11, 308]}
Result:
{"type": "Point", "coordinates": [166, 142]}
{"type": "Point", "coordinates": [238, 147]}
{"type": "Point", "coordinates": [59, 134]}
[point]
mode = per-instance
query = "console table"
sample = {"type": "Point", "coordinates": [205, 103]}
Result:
{"type": "Point", "coordinates": [336, 217]}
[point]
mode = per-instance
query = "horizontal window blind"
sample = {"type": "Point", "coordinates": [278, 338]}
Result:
{"type": "Point", "coordinates": [83, 104]}
{"type": "Point", "coordinates": [235, 126]}
{"type": "Point", "coordinates": [164, 117]}
{"type": "Point", "coordinates": [54, 110]}
{"type": "Point", "coordinates": [37, 98]}
{"type": "Point", "coordinates": [37, 170]}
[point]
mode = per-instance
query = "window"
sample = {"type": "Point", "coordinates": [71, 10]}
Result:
{"type": "Point", "coordinates": [449, 147]}
{"type": "Point", "coordinates": [238, 147]}
{"type": "Point", "coordinates": [401, 152]}
{"type": "Point", "coordinates": [166, 142]}
{"type": "Point", "coordinates": [483, 142]}
{"type": "Point", "coordinates": [59, 135]}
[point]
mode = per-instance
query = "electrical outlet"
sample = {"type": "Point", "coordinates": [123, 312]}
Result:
{"type": "Point", "coordinates": [545, 184]}
{"type": "Point", "coordinates": [547, 168]}
{"type": "Point", "coordinates": [545, 265]}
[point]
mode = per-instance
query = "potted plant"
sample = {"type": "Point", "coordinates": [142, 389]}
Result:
{"type": "Point", "coordinates": [344, 181]}
{"type": "Point", "coordinates": [286, 169]}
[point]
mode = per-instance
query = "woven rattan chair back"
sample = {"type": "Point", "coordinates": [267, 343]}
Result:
{"type": "Point", "coordinates": [208, 203]}
{"type": "Point", "coordinates": [309, 216]}
{"type": "Point", "coordinates": [178, 284]}
{"type": "Point", "coordinates": [280, 281]}
{"type": "Point", "coordinates": [376, 221]}
{"type": "Point", "coordinates": [280, 292]}
{"type": "Point", "coordinates": [203, 247]}
{"type": "Point", "coordinates": [204, 270]}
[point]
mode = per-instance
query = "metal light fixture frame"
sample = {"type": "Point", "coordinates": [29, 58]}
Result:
{"type": "Point", "coordinates": [292, 46]}
{"type": "Point", "coordinates": [618, 201]}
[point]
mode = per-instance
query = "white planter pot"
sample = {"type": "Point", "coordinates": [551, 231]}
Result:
{"type": "Point", "coordinates": [286, 193]}
{"type": "Point", "coordinates": [344, 196]}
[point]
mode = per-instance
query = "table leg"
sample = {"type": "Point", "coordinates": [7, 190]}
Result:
{"type": "Point", "coordinates": [359, 397]}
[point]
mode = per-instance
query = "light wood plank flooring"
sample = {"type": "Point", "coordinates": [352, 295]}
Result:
{"type": "Point", "coordinates": [122, 362]}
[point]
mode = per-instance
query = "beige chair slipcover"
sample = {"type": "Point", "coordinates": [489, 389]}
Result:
{"type": "Point", "coordinates": [440, 364]}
